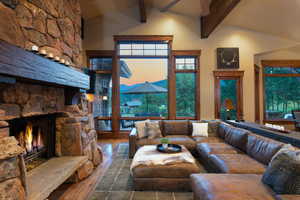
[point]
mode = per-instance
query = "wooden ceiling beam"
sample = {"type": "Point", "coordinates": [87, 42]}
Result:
{"type": "Point", "coordinates": [219, 9]}
{"type": "Point", "coordinates": [143, 13]}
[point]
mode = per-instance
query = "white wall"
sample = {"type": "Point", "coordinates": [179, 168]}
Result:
{"type": "Point", "coordinates": [99, 33]}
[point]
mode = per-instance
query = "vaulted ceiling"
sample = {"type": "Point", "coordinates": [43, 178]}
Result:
{"type": "Point", "coordinates": [276, 17]}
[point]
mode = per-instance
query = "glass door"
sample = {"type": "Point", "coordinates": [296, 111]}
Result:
{"type": "Point", "coordinates": [228, 95]}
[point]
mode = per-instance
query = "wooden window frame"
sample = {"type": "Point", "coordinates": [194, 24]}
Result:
{"type": "Point", "coordinates": [277, 63]}
{"type": "Point", "coordinates": [229, 75]}
{"type": "Point", "coordinates": [257, 93]}
{"type": "Point", "coordinates": [116, 115]}
{"type": "Point", "coordinates": [90, 54]}
{"type": "Point", "coordinates": [196, 71]}
{"type": "Point", "coordinates": [167, 38]}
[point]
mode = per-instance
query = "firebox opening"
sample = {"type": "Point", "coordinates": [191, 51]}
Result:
{"type": "Point", "coordinates": [37, 136]}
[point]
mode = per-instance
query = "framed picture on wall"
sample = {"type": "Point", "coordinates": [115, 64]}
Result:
{"type": "Point", "coordinates": [228, 58]}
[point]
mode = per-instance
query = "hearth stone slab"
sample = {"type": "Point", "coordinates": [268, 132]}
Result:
{"type": "Point", "coordinates": [43, 180]}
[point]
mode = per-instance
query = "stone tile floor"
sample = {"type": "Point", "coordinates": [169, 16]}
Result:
{"type": "Point", "coordinates": [142, 195]}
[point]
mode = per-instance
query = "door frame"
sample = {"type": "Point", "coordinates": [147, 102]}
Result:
{"type": "Point", "coordinates": [229, 75]}
{"type": "Point", "coordinates": [257, 93]}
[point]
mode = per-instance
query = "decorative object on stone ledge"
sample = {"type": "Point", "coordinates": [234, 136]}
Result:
{"type": "Point", "coordinates": [10, 3]}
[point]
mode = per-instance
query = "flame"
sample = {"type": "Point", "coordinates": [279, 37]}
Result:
{"type": "Point", "coordinates": [28, 137]}
{"type": "Point", "coordinates": [40, 142]}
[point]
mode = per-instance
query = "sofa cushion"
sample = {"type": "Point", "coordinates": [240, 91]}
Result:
{"type": "Point", "coordinates": [141, 128]}
{"type": "Point", "coordinates": [146, 141]}
{"type": "Point", "coordinates": [175, 127]}
{"type": "Point", "coordinates": [283, 173]}
{"type": "Point", "coordinates": [229, 187]}
{"type": "Point", "coordinates": [187, 141]}
{"type": "Point", "coordinates": [223, 129]}
{"type": "Point", "coordinates": [200, 139]}
{"type": "Point", "coordinates": [205, 149]}
{"type": "Point", "coordinates": [237, 137]}
{"type": "Point", "coordinates": [262, 149]}
{"type": "Point", "coordinates": [153, 130]}
{"type": "Point", "coordinates": [235, 164]}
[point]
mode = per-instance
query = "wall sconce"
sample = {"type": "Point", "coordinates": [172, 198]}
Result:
{"type": "Point", "coordinates": [90, 97]}
{"type": "Point", "coordinates": [105, 98]}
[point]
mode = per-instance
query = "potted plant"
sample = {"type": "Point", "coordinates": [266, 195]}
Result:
{"type": "Point", "coordinates": [164, 142]}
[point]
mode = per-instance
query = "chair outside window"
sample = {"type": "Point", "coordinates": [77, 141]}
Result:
{"type": "Point", "coordinates": [296, 116]}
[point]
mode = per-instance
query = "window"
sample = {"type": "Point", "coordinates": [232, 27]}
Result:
{"type": "Point", "coordinates": [186, 73]}
{"type": "Point", "coordinates": [144, 48]}
{"type": "Point", "coordinates": [144, 79]}
{"type": "Point", "coordinates": [281, 90]}
{"type": "Point", "coordinates": [101, 62]}
{"type": "Point", "coordinates": [185, 94]}
{"type": "Point", "coordinates": [145, 92]}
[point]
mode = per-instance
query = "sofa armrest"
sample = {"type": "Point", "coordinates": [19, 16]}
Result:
{"type": "Point", "coordinates": [132, 142]}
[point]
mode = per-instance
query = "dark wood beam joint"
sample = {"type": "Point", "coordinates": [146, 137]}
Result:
{"type": "Point", "coordinates": [219, 9]}
{"type": "Point", "coordinates": [142, 8]}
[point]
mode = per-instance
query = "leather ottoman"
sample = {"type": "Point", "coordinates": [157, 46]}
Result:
{"type": "Point", "coordinates": [164, 177]}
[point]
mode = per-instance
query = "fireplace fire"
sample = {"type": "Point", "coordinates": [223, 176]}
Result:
{"type": "Point", "coordinates": [37, 136]}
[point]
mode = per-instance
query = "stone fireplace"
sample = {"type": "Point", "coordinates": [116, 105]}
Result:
{"type": "Point", "coordinates": [45, 128]}
{"type": "Point", "coordinates": [45, 123]}
{"type": "Point", "coordinates": [37, 136]}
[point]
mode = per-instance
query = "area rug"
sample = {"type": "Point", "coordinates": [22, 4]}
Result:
{"type": "Point", "coordinates": [117, 183]}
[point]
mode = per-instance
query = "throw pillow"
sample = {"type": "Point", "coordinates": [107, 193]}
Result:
{"type": "Point", "coordinates": [141, 128]}
{"type": "Point", "coordinates": [283, 173]}
{"type": "Point", "coordinates": [153, 130]}
{"type": "Point", "coordinates": [212, 127]}
{"type": "Point", "coordinates": [200, 129]}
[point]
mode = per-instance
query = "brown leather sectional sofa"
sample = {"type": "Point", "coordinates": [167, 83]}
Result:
{"type": "Point", "coordinates": [178, 132]}
{"type": "Point", "coordinates": [235, 159]}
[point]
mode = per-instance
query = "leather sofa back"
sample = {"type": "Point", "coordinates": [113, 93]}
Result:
{"type": "Point", "coordinates": [262, 149]}
{"type": "Point", "coordinates": [237, 137]}
{"type": "Point", "coordinates": [223, 129]}
{"type": "Point", "coordinates": [175, 127]}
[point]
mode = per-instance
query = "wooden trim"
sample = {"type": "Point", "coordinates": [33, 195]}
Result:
{"type": "Point", "coordinates": [172, 85]}
{"type": "Point", "coordinates": [219, 9]}
{"type": "Point", "coordinates": [143, 37]}
{"type": "Point", "coordinates": [143, 13]}
{"type": "Point", "coordinates": [229, 75]}
{"type": "Point", "coordinates": [280, 63]}
{"type": "Point", "coordinates": [196, 71]}
{"type": "Point", "coordinates": [257, 93]}
{"type": "Point", "coordinates": [116, 92]}
{"type": "Point", "coordinates": [198, 91]}
{"type": "Point", "coordinates": [186, 52]}
{"type": "Point", "coordinates": [99, 53]}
